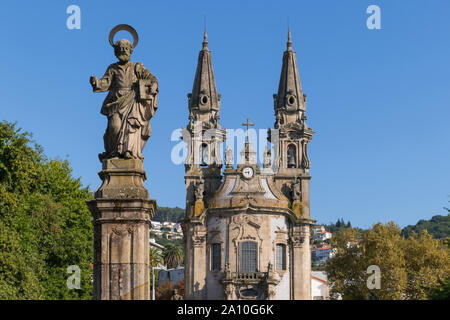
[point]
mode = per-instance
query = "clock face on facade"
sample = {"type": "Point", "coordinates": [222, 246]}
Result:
{"type": "Point", "coordinates": [247, 172]}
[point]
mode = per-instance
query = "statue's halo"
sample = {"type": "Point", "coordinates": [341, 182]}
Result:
{"type": "Point", "coordinates": [124, 27]}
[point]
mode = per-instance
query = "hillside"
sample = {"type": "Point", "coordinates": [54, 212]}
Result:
{"type": "Point", "coordinates": [438, 227]}
{"type": "Point", "coordinates": [168, 214]}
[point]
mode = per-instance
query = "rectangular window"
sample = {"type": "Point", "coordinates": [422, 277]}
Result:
{"type": "Point", "coordinates": [248, 256]}
{"type": "Point", "coordinates": [216, 255]}
{"type": "Point", "coordinates": [281, 257]}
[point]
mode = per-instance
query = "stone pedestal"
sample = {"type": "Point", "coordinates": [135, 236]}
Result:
{"type": "Point", "coordinates": [121, 214]}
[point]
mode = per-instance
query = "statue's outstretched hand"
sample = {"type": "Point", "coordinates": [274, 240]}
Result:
{"type": "Point", "coordinates": [93, 80]}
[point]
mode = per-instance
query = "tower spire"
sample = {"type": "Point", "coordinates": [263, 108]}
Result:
{"type": "Point", "coordinates": [290, 99]}
{"type": "Point", "coordinates": [204, 101]}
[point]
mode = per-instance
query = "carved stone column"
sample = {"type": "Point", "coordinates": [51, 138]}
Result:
{"type": "Point", "coordinates": [195, 259]}
{"type": "Point", "coordinates": [301, 262]}
{"type": "Point", "coordinates": [121, 214]}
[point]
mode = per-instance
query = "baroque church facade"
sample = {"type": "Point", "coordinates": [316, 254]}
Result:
{"type": "Point", "coordinates": [247, 228]}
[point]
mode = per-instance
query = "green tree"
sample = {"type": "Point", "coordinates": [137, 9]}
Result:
{"type": "Point", "coordinates": [173, 255]}
{"type": "Point", "coordinates": [339, 225]}
{"type": "Point", "coordinates": [169, 214]}
{"type": "Point", "coordinates": [156, 257]}
{"type": "Point", "coordinates": [409, 266]}
{"type": "Point", "coordinates": [440, 292]}
{"type": "Point", "coordinates": [344, 269]}
{"type": "Point", "coordinates": [164, 242]}
{"type": "Point", "coordinates": [427, 262]}
{"type": "Point", "coordinates": [45, 225]}
{"type": "Point", "coordinates": [383, 246]}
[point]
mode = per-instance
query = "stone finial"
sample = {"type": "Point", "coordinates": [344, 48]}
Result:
{"type": "Point", "coordinates": [205, 40]}
{"type": "Point", "coordinates": [229, 157]}
{"type": "Point", "coordinates": [267, 162]}
{"type": "Point", "coordinates": [289, 42]}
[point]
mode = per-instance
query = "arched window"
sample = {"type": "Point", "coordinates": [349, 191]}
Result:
{"type": "Point", "coordinates": [203, 155]}
{"type": "Point", "coordinates": [281, 256]}
{"type": "Point", "coordinates": [248, 252]}
{"type": "Point", "coordinates": [291, 156]}
{"type": "Point", "coordinates": [216, 255]}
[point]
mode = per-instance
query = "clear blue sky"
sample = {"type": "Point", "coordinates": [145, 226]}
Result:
{"type": "Point", "coordinates": [377, 99]}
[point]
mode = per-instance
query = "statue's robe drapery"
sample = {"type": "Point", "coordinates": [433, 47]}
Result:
{"type": "Point", "coordinates": [128, 117]}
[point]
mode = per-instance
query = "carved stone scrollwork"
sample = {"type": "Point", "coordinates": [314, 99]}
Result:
{"type": "Point", "coordinates": [199, 190]}
{"type": "Point", "coordinates": [122, 230]}
{"type": "Point", "coordinates": [198, 240]}
{"type": "Point", "coordinates": [245, 227]}
{"type": "Point", "coordinates": [297, 240]}
{"type": "Point", "coordinates": [271, 292]}
{"type": "Point", "coordinates": [305, 164]}
{"type": "Point", "coordinates": [292, 130]}
{"type": "Point", "coordinates": [227, 270]}
{"type": "Point", "coordinates": [198, 237]}
{"type": "Point", "coordinates": [249, 292]}
{"type": "Point", "coordinates": [228, 292]}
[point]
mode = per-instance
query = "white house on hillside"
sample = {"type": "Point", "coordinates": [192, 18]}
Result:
{"type": "Point", "coordinates": [321, 254]}
{"type": "Point", "coordinates": [156, 225]}
{"type": "Point", "coordinates": [322, 235]}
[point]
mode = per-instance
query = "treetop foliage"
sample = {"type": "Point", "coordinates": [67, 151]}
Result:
{"type": "Point", "coordinates": [409, 267]}
{"type": "Point", "coordinates": [45, 225]}
{"type": "Point", "coordinates": [173, 255]}
{"type": "Point", "coordinates": [438, 226]}
{"type": "Point", "coordinates": [339, 225]}
{"type": "Point", "coordinates": [169, 214]}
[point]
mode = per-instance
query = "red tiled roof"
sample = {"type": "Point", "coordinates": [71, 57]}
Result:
{"type": "Point", "coordinates": [318, 279]}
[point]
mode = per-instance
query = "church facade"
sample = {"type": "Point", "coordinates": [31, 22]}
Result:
{"type": "Point", "coordinates": [247, 227]}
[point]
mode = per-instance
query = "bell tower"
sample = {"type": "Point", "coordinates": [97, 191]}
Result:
{"type": "Point", "coordinates": [203, 164]}
{"type": "Point", "coordinates": [291, 135]}
{"type": "Point", "coordinates": [291, 167]}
